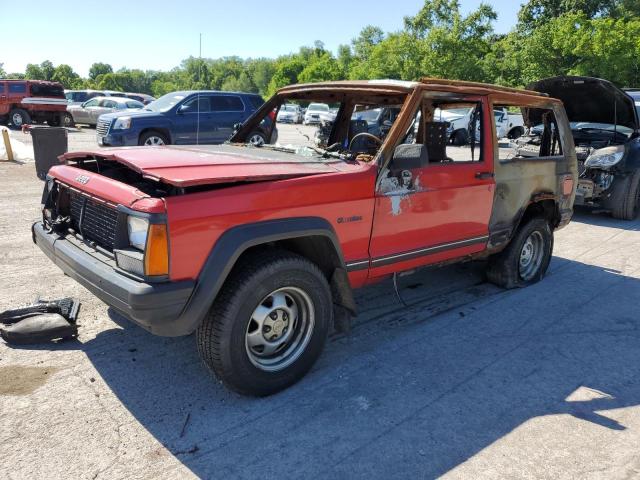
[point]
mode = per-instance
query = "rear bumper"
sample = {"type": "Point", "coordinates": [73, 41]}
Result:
{"type": "Point", "coordinates": [156, 307]}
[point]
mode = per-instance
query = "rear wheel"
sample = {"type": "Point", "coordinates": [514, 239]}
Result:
{"type": "Point", "coordinates": [268, 325]}
{"type": "Point", "coordinates": [153, 138]}
{"type": "Point", "coordinates": [257, 139]}
{"type": "Point", "coordinates": [19, 117]}
{"type": "Point", "coordinates": [67, 120]}
{"type": "Point", "coordinates": [627, 209]}
{"type": "Point", "coordinates": [526, 259]}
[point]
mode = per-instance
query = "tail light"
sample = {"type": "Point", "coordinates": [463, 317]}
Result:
{"type": "Point", "coordinates": [272, 115]}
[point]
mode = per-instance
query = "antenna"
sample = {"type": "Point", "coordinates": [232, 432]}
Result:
{"type": "Point", "coordinates": [198, 94]}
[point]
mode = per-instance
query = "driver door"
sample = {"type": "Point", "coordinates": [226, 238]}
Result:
{"type": "Point", "coordinates": [438, 208]}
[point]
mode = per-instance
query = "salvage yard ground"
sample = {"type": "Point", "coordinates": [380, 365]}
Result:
{"type": "Point", "coordinates": [468, 381]}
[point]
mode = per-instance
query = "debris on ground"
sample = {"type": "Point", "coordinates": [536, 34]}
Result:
{"type": "Point", "coordinates": [42, 321]}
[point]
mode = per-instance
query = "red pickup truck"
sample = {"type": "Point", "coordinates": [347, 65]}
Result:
{"type": "Point", "coordinates": [26, 101]}
{"type": "Point", "coordinates": [257, 249]}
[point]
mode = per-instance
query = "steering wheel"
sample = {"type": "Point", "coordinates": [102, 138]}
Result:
{"type": "Point", "coordinates": [364, 134]}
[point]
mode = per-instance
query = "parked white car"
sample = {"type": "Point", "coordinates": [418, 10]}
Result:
{"type": "Point", "coordinates": [290, 113]}
{"type": "Point", "coordinates": [317, 113]}
{"type": "Point", "coordinates": [88, 112]}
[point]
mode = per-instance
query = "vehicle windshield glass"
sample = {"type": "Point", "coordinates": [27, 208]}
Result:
{"type": "Point", "coordinates": [368, 115]}
{"type": "Point", "coordinates": [328, 129]}
{"type": "Point", "coordinates": [165, 103]}
{"type": "Point", "coordinates": [318, 107]}
{"type": "Point", "coordinates": [636, 99]}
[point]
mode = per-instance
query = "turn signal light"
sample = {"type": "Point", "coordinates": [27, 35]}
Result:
{"type": "Point", "coordinates": [156, 257]}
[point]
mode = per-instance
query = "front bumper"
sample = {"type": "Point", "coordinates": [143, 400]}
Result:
{"type": "Point", "coordinates": [124, 139]}
{"type": "Point", "coordinates": [156, 307]}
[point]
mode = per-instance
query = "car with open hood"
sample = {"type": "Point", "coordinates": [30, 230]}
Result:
{"type": "Point", "coordinates": [258, 247]}
{"type": "Point", "coordinates": [605, 129]}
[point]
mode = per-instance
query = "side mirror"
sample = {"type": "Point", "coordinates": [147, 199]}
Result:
{"type": "Point", "coordinates": [183, 109]}
{"type": "Point", "coordinates": [387, 124]}
{"type": "Point", "coordinates": [409, 156]}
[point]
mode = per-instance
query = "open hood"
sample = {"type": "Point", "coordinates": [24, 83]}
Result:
{"type": "Point", "coordinates": [208, 165]}
{"type": "Point", "coordinates": [588, 99]}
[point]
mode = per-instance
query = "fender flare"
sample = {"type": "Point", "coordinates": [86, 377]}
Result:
{"type": "Point", "coordinates": [228, 249]}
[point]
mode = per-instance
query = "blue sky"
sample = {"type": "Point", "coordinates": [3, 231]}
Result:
{"type": "Point", "coordinates": [159, 34]}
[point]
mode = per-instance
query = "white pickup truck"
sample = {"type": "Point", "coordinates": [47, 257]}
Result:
{"type": "Point", "coordinates": [510, 125]}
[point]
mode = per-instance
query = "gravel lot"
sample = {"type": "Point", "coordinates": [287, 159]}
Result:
{"type": "Point", "coordinates": [469, 381]}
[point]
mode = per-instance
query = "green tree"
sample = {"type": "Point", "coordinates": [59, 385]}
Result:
{"type": "Point", "coordinates": [66, 76]}
{"type": "Point", "coordinates": [240, 84]}
{"type": "Point", "coordinates": [2, 72]}
{"type": "Point", "coordinates": [99, 68]}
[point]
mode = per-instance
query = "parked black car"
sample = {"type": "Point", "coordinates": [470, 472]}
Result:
{"type": "Point", "coordinates": [605, 128]}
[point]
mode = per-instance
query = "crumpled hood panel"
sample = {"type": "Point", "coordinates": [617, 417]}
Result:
{"type": "Point", "coordinates": [208, 165]}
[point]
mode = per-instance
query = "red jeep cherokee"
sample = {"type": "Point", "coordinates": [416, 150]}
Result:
{"type": "Point", "coordinates": [26, 101]}
{"type": "Point", "coordinates": [258, 248]}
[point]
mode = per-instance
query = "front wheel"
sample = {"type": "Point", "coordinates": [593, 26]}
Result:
{"type": "Point", "coordinates": [67, 120]}
{"type": "Point", "coordinates": [268, 325]}
{"type": "Point", "coordinates": [526, 259]}
{"type": "Point", "coordinates": [152, 138]}
{"type": "Point", "coordinates": [627, 191]}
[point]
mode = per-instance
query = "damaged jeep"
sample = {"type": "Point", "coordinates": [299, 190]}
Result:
{"type": "Point", "coordinates": [604, 124]}
{"type": "Point", "coordinates": [258, 248]}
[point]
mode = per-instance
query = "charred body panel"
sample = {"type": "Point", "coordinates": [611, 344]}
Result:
{"type": "Point", "coordinates": [604, 123]}
{"type": "Point", "coordinates": [540, 184]}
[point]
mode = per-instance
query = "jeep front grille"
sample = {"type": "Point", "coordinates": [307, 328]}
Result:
{"type": "Point", "coordinates": [103, 127]}
{"type": "Point", "coordinates": [94, 220]}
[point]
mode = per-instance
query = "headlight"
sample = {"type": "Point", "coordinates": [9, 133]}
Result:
{"type": "Point", "coordinates": [605, 158]}
{"type": "Point", "coordinates": [122, 123]}
{"type": "Point", "coordinates": [137, 228]}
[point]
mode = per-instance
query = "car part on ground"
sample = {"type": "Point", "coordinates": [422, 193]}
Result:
{"type": "Point", "coordinates": [42, 321]}
{"type": "Point", "coordinates": [259, 247]}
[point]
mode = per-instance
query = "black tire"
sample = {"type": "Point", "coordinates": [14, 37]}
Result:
{"type": "Point", "coordinates": [67, 120]}
{"type": "Point", "coordinates": [222, 337]}
{"type": "Point", "coordinates": [515, 132]}
{"type": "Point", "coordinates": [149, 135]}
{"type": "Point", "coordinates": [257, 138]}
{"type": "Point", "coordinates": [460, 138]}
{"type": "Point", "coordinates": [19, 117]}
{"type": "Point", "coordinates": [629, 195]}
{"type": "Point", "coordinates": [504, 268]}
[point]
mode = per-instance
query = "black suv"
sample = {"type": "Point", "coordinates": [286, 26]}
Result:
{"type": "Point", "coordinates": [605, 128]}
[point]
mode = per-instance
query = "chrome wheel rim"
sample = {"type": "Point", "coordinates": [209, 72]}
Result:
{"type": "Point", "coordinates": [67, 120]}
{"type": "Point", "coordinates": [256, 140]}
{"type": "Point", "coordinates": [153, 141]}
{"type": "Point", "coordinates": [280, 329]}
{"type": "Point", "coordinates": [531, 256]}
{"type": "Point", "coordinates": [16, 119]}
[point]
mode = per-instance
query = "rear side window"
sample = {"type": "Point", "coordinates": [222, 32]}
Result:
{"type": "Point", "coordinates": [17, 88]}
{"type": "Point", "coordinates": [134, 105]}
{"type": "Point", "coordinates": [40, 90]}
{"type": "Point", "coordinates": [541, 138]}
{"type": "Point", "coordinates": [255, 101]}
{"type": "Point", "coordinates": [226, 103]}
{"type": "Point", "coordinates": [108, 104]}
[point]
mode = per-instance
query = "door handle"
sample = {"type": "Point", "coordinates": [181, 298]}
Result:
{"type": "Point", "coordinates": [484, 175]}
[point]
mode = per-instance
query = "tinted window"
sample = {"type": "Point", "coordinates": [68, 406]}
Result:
{"type": "Point", "coordinates": [135, 97]}
{"type": "Point", "coordinates": [17, 88]}
{"type": "Point", "coordinates": [134, 104]}
{"type": "Point", "coordinates": [92, 103]}
{"type": "Point", "coordinates": [108, 104]}
{"type": "Point", "coordinates": [2, 87]}
{"type": "Point", "coordinates": [41, 90]}
{"type": "Point", "coordinates": [77, 96]}
{"type": "Point", "coordinates": [256, 102]}
{"type": "Point", "coordinates": [226, 103]}
{"type": "Point", "coordinates": [191, 105]}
